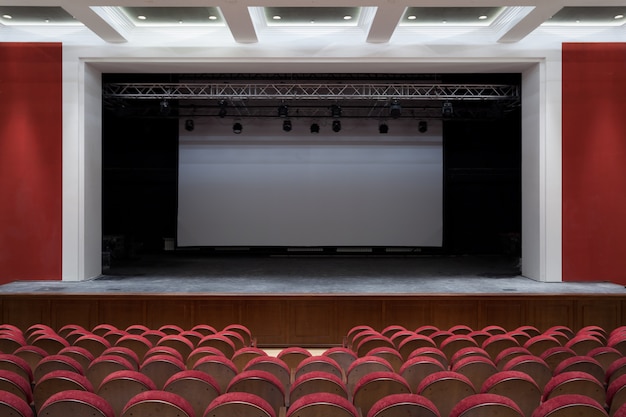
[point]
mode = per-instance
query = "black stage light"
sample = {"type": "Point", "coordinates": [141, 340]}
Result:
{"type": "Point", "coordinates": [336, 125]}
{"type": "Point", "coordinates": [189, 125]}
{"type": "Point", "coordinates": [283, 110]}
{"type": "Point", "coordinates": [315, 128]}
{"type": "Point", "coordinates": [164, 107]}
{"type": "Point", "coordinates": [335, 111]}
{"type": "Point", "coordinates": [287, 125]}
{"type": "Point", "coordinates": [223, 111]}
{"type": "Point", "coordinates": [383, 128]}
{"type": "Point", "coordinates": [395, 110]}
{"type": "Point", "coordinates": [237, 128]}
{"type": "Point", "coordinates": [447, 110]}
{"type": "Point", "coordinates": [422, 126]}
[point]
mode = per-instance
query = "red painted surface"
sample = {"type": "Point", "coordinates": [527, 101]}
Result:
{"type": "Point", "coordinates": [30, 161]}
{"type": "Point", "coordinates": [594, 162]}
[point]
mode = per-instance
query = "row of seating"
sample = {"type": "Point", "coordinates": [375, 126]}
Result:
{"type": "Point", "coordinates": [296, 379]}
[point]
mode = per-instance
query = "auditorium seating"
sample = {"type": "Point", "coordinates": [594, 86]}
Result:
{"type": "Point", "coordinates": [211, 372]}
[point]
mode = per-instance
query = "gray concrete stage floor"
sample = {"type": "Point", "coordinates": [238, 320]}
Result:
{"type": "Point", "coordinates": [198, 274]}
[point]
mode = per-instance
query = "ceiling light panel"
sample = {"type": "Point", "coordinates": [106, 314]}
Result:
{"type": "Point", "coordinates": [27, 15]}
{"type": "Point", "coordinates": [588, 16]}
{"type": "Point", "coordinates": [173, 16]}
{"type": "Point", "coordinates": [471, 16]}
{"type": "Point", "coordinates": [299, 16]}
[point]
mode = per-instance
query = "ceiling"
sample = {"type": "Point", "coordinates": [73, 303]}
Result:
{"type": "Point", "coordinates": [251, 21]}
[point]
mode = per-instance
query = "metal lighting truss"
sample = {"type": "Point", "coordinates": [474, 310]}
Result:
{"type": "Point", "coordinates": [310, 91]}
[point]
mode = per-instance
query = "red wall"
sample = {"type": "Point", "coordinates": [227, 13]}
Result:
{"type": "Point", "coordinates": [594, 162]}
{"type": "Point", "coordinates": [30, 161]}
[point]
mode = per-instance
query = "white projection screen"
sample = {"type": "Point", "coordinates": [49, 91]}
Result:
{"type": "Point", "coordinates": [269, 188]}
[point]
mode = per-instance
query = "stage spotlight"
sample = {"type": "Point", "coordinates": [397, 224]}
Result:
{"type": "Point", "coordinates": [315, 128]}
{"type": "Point", "coordinates": [283, 110]}
{"type": "Point", "coordinates": [164, 107]}
{"type": "Point", "coordinates": [189, 125]}
{"type": "Point", "coordinates": [422, 126]}
{"type": "Point", "coordinates": [287, 125]}
{"type": "Point", "coordinates": [223, 111]}
{"type": "Point", "coordinates": [395, 110]}
{"type": "Point", "coordinates": [237, 128]}
{"type": "Point", "coordinates": [335, 111]}
{"type": "Point", "coordinates": [336, 125]}
{"type": "Point", "coordinates": [447, 110]}
{"type": "Point", "coordinates": [383, 128]}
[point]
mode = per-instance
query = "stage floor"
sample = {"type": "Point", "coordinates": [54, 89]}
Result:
{"type": "Point", "coordinates": [185, 273]}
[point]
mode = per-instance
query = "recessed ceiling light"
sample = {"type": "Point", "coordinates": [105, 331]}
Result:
{"type": "Point", "coordinates": [412, 17]}
{"type": "Point", "coordinates": [141, 17]}
{"type": "Point", "coordinates": [7, 16]}
{"type": "Point", "coordinates": [482, 17]}
{"type": "Point", "coordinates": [180, 22]}
{"type": "Point", "coordinates": [347, 17]}
{"type": "Point", "coordinates": [444, 21]}
{"type": "Point", "coordinates": [47, 20]}
{"type": "Point", "coordinates": [212, 17]}
{"type": "Point", "coordinates": [577, 21]}
{"type": "Point", "coordinates": [619, 16]}
{"type": "Point", "coordinates": [312, 21]}
{"type": "Point", "coordinates": [277, 17]}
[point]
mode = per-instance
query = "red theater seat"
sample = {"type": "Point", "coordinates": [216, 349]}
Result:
{"type": "Point", "coordinates": [575, 383]}
{"type": "Point", "coordinates": [417, 368]}
{"type": "Point", "coordinates": [517, 386]}
{"type": "Point", "coordinates": [414, 342]}
{"type": "Point", "coordinates": [318, 363]}
{"type": "Point", "coordinates": [219, 367]}
{"type": "Point", "coordinates": [375, 386]}
{"type": "Point", "coordinates": [233, 404]}
{"type": "Point", "coordinates": [198, 388]}
{"type": "Point", "coordinates": [486, 405]}
{"type": "Point", "coordinates": [445, 389]}
{"type": "Point", "coordinates": [158, 403]}
{"type": "Point", "coordinates": [55, 382]}
{"type": "Point", "coordinates": [12, 405]}
{"type": "Point", "coordinates": [293, 355]}
{"type": "Point", "coordinates": [390, 354]}
{"type": "Point", "coordinates": [160, 368]}
{"type": "Point", "coordinates": [105, 365]}
{"type": "Point", "coordinates": [476, 368]}
{"type": "Point", "coordinates": [119, 387]}
{"type": "Point", "coordinates": [570, 405]}
{"type": "Point", "coordinates": [532, 366]}
{"type": "Point", "coordinates": [76, 403]}
{"type": "Point", "coordinates": [243, 331]}
{"type": "Point", "coordinates": [16, 384]}
{"type": "Point", "coordinates": [342, 355]}
{"type": "Point", "coordinates": [403, 405]}
{"type": "Point", "coordinates": [274, 366]}
{"type": "Point", "coordinates": [260, 383]}
{"type": "Point", "coordinates": [315, 382]}
{"type": "Point", "coordinates": [245, 355]}
{"type": "Point", "coordinates": [322, 404]}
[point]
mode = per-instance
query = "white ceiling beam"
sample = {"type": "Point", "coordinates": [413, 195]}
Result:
{"type": "Point", "coordinates": [385, 22]}
{"type": "Point", "coordinates": [96, 23]}
{"type": "Point", "coordinates": [239, 21]}
{"type": "Point", "coordinates": [531, 21]}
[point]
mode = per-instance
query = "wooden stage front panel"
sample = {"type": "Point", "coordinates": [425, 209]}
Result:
{"type": "Point", "coordinates": [313, 320]}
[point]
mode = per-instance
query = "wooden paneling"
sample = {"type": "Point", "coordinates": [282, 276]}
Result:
{"type": "Point", "coordinates": [218, 313]}
{"type": "Point", "coordinates": [408, 313]}
{"type": "Point", "coordinates": [314, 319]}
{"type": "Point", "coordinates": [605, 314]}
{"type": "Point", "coordinates": [355, 311]}
{"type": "Point", "coordinates": [552, 311]}
{"type": "Point", "coordinates": [24, 311]}
{"type": "Point", "coordinates": [509, 314]}
{"type": "Point", "coordinates": [121, 313]}
{"type": "Point", "coordinates": [268, 320]}
{"type": "Point", "coordinates": [311, 322]}
{"type": "Point", "coordinates": [169, 312]}
{"type": "Point", "coordinates": [450, 312]}
{"type": "Point", "coordinates": [82, 312]}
